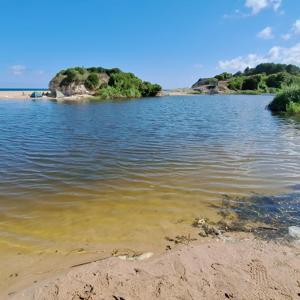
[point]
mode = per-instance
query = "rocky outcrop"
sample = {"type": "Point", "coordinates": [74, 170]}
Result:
{"type": "Point", "coordinates": [101, 83]}
{"type": "Point", "coordinates": [206, 86]}
{"type": "Point", "coordinates": [69, 90]}
{"type": "Point", "coordinates": [77, 81]}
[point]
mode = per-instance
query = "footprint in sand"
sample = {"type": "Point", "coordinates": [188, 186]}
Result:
{"type": "Point", "coordinates": [267, 288]}
{"type": "Point", "coordinates": [258, 273]}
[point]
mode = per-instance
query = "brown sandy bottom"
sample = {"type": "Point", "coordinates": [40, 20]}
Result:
{"type": "Point", "coordinates": [225, 268]}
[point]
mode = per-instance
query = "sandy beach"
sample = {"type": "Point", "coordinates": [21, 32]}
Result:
{"type": "Point", "coordinates": [17, 95]}
{"type": "Point", "coordinates": [227, 268]}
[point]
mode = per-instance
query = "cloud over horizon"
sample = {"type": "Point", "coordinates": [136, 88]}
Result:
{"type": "Point", "coordinates": [17, 70]}
{"type": "Point", "coordinates": [276, 54]}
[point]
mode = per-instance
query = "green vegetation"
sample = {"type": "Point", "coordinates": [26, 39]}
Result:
{"type": "Point", "coordinates": [92, 82]}
{"type": "Point", "coordinates": [103, 83]}
{"type": "Point", "coordinates": [293, 108]}
{"type": "Point", "coordinates": [288, 100]}
{"type": "Point", "coordinates": [224, 76]}
{"type": "Point", "coordinates": [264, 78]}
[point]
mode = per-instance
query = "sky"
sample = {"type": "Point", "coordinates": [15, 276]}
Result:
{"type": "Point", "coordinates": [170, 42]}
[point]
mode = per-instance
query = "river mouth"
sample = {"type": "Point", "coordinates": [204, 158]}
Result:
{"type": "Point", "coordinates": [81, 180]}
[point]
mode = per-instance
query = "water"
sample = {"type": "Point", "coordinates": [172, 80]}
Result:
{"type": "Point", "coordinates": [93, 176]}
{"type": "Point", "coordinates": [22, 89]}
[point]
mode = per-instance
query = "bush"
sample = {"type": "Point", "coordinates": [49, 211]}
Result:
{"type": "Point", "coordinates": [111, 92]}
{"type": "Point", "coordinates": [251, 83]}
{"type": "Point", "coordinates": [149, 90]}
{"type": "Point", "coordinates": [92, 82]}
{"type": "Point", "coordinates": [278, 80]}
{"type": "Point", "coordinates": [224, 76]}
{"type": "Point", "coordinates": [71, 76]}
{"type": "Point", "coordinates": [124, 80]}
{"type": "Point", "coordinates": [236, 83]}
{"type": "Point", "coordinates": [80, 70]}
{"type": "Point", "coordinates": [293, 108]}
{"type": "Point", "coordinates": [287, 99]}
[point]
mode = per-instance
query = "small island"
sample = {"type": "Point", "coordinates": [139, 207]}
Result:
{"type": "Point", "coordinates": [100, 83]}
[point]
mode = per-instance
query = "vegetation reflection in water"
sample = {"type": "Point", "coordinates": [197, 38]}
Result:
{"type": "Point", "coordinates": [127, 173]}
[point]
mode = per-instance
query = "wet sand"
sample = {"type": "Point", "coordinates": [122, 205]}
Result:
{"type": "Point", "coordinates": [226, 268]}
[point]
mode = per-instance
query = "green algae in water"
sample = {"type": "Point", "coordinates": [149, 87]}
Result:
{"type": "Point", "coordinates": [273, 213]}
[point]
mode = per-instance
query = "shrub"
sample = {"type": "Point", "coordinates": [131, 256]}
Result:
{"type": "Point", "coordinates": [283, 100]}
{"type": "Point", "coordinates": [92, 82]}
{"type": "Point", "coordinates": [149, 90]}
{"type": "Point", "coordinates": [236, 83]}
{"type": "Point", "coordinates": [251, 83]}
{"type": "Point", "coordinates": [124, 80]}
{"type": "Point", "coordinates": [71, 76]}
{"type": "Point", "coordinates": [111, 92]}
{"type": "Point", "coordinates": [293, 108]}
{"type": "Point", "coordinates": [108, 92]}
{"type": "Point", "coordinates": [80, 70]}
{"type": "Point", "coordinates": [278, 80]}
{"type": "Point", "coordinates": [224, 76]}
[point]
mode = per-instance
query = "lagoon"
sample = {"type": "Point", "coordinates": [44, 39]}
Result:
{"type": "Point", "coordinates": [78, 180]}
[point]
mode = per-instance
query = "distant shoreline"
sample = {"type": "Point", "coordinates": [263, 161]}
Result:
{"type": "Point", "coordinates": [24, 94]}
{"type": "Point", "coordinates": [16, 94]}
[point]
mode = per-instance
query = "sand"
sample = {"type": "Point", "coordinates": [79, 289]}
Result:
{"type": "Point", "coordinates": [226, 268]}
{"type": "Point", "coordinates": [17, 95]}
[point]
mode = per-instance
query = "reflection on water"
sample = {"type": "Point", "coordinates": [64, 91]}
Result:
{"type": "Point", "coordinates": [130, 172]}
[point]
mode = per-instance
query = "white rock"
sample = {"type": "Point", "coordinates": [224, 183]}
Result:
{"type": "Point", "coordinates": [139, 257]}
{"type": "Point", "coordinates": [294, 231]}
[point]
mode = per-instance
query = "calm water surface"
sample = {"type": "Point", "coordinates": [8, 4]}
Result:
{"type": "Point", "coordinates": [96, 175]}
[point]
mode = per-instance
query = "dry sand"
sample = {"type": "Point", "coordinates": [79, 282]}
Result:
{"type": "Point", "coordinates": [216, 269]}
{"type": "Point", "coordinates": [18, 95]}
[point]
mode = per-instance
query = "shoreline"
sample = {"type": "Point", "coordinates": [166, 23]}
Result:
{"type": "Point", "coordinates": [213, 261]}
{"type": "Point", "coordinates": [19, 94]}
{"type": "Point", "coordinates": [233, 267]}
{"type": "Point", "coordinates": [25, 95]}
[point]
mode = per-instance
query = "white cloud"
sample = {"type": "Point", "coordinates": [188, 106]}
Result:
{"type": "Point", "coordinates": [286, 36]}
{"type": "Point", "coordinates": [240, 63]}
{"type": "Point", "coordinates": [257, 5]}
{"type": "Point", "coordinates": [275, 54]}
{"type": "Point", "coordinates": [266, 33]}
{"type": "Point", "coordinates": [295, 30]}
{"type": "Point", "coordinates": [296, 27]}
{"type": "Point", "coordinates": [17, 69]}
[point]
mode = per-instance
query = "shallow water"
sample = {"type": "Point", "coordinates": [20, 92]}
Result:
{"type": "Point", "coordinates": [127, 173]}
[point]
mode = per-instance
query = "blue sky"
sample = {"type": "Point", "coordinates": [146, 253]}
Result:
{"type": "Point", "coordinates": [172, 42]}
